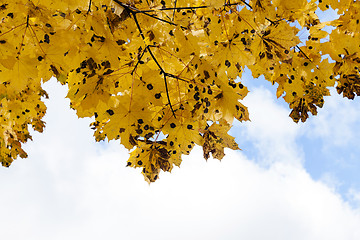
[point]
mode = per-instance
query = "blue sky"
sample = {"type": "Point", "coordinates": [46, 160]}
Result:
{"type": "Point", "coordinates": [327, 143]}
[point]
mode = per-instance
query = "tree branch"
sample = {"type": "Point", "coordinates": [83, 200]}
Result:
{"type": "Point", "coordinates": [154, 58]}
{"type": "Point", "coordinates": [134, 10]}
{"type": "Point", "coordinates": [145, 12]}
{"type": "Point", "coordinates": [189, 8]}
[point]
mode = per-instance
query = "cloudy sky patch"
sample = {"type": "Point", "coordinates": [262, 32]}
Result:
{"type": "Point", "coordinates": [73, 188]}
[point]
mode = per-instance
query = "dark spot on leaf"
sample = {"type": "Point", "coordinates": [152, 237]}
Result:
{"type": "Point", "coordinates": [109, 71]}
{"type": "Point", "coordinates": [227, 63]}
{"type": "Point", "coordinates": [233, 85]}
{"type": "Point", "coordinates": [46, 38]}
{"type": "Point", "coordinates": [110, 112]}
{"type": "Point", "coordinates": [196, 96]}
{"type": "Point", "coordinates": [243, 40]}
{"type": "Point", "coordinates": [220, 95]}
{"type": "Point", "coordinates": [269, 55]}
{"type": "Point", "coordinates": [149, 135]}
{"type": "Point", "coordinates": [120, 42]}
{"type": "Point", "coordinates": [207, 75]}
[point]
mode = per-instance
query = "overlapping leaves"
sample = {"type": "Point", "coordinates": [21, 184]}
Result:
{"type": "Point", "coordinates": [164, 76]}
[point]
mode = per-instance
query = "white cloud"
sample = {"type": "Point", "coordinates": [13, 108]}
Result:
{"type": "Point", "coordinates": [271, 128]}
{"type": "Point", "coordinates": [72, 188]}
{"type": "Point", "coordinates": [337, 121]}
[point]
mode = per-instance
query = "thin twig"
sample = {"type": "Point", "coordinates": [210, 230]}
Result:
{"type": "Point", "coordinates": [248, 5]}
{"type": "Point", "coordinates": [173, 17]}
{"type": "Point", "coordinates": [168, 97]}
{"type": "Point", "coordinates": [132, 72]}
{"type": "Point", "coordinates": [176, 77]}
{"type": "Point", "coordinates": [155, 60]}
{"type": "Point", "coordinates": [165, 74]}
{"type": "Point", "coordinates": [301, 51]}
{"type": "Point", "coordinates": [89, 9]}
{"type": "Point", "coordinates": [187, 8]}
{"type": "Point", "coordinates": [134, 10]}
{"type": "Point", "coordinates": [23, 38]}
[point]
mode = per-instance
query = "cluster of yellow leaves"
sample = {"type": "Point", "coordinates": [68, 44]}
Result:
{"type": "Point", "coordinates": [164, 76]}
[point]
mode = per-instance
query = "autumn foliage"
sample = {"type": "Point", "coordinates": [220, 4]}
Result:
{"type": "Point", "coordinates": [164, 76]}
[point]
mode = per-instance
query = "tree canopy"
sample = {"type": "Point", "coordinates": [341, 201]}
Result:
{"type": "Point", "coordinates": [164, 76]}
